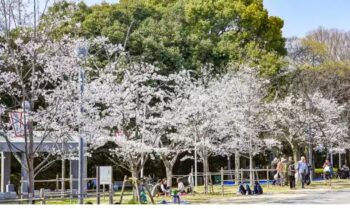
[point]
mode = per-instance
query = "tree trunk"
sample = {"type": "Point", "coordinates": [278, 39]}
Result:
{"type": "Point", "coordinates": [251, 173]}
{"type": "Point", "coordinates": [331, 158]}
{"type": "Point", "coordinates": [63, 183]}
{"type": "Point", "coordinates": [295, 152]}
{"type": "Point", "coordinates": [169, 174]}
{"type": "Point", "coordinates": [31, 176]}
{"type": "Point", "coordinates": [134, 175]}
{"type": "Point", "coordinates": [229, 166]}
{"type": "Point", "coordinates": [237, 166]}
{"type": "Point", "coordinates": [205, 173]}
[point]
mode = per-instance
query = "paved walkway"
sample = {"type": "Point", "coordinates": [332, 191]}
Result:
{"type": "Point", "coordinates": [307, 196]}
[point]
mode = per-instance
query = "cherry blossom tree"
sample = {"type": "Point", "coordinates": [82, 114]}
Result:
{"type": "Point", "coordinates": [220, 115]}
{"type": "Point", "coordinates": [332, 128]}
{"type": "Point", "coordinates": [290, 118]}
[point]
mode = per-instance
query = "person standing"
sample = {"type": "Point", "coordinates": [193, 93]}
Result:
{"type": "Point", "coordinates": [291, 174]}
{"type": "Point", "coordinates": [327, 171]}
{"type": "Point", "coordinates": [280, 170]}
{"type": "Point", "coordinates": [285, 163]}
{"type": "Point", "coordinates": [302, 170]}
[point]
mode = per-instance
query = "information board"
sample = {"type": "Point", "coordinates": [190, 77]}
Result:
{"type": "Point", "coordinates": [105, 175]}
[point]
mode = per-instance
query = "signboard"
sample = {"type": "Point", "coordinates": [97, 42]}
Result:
{"type": "Point", "coordinates": [105, 175]}
{"type": "Point", "coordinates": [17, 121]}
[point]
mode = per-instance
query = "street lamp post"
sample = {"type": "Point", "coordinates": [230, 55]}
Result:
{"type": "Point", "coordinates": [195, 163]}
{"type": "Point", "coordinates": [82, 53]}
{"type": "Point", "coordinates": [308, 107]}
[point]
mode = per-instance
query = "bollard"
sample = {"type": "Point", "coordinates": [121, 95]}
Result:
{"type": "Point", "coordinates": [222, 181]}
{"type": "Point", "coordinates": [42, 196]}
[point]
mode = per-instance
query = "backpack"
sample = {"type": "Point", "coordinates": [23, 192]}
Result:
{"type": "Point", "coordinates": [241, 189]}
{"type": "Point", "coordinates": [249, 191]}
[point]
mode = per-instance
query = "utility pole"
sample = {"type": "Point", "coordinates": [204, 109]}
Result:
{"type": "Point", "coordinates": [82, 53]}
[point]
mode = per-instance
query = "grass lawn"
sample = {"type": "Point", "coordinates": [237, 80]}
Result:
{"type": "Point", "coordinates": [200, 197]}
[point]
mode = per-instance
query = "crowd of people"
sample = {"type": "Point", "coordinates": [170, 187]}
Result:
{"type": "Point", "coordinates": [288, 172]}
{"type": "Point", "coordinates": [161, 188]}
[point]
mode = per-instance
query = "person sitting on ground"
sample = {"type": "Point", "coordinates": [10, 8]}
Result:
{"type": "Point", "coordinates": [157, 190]}
{"type": "Point", "coordinates": [343, 172]}
{"type": "Point", "coordinates": [241, 189]}
{"type": "Point", "coordinates": [164, 187]}
{"type": "Point", "coordinates": [180, 186]}
{"type": "Point", "coordinates": [248, 190]}
{"type": "Point", "coordinates": [143, 197]}
{"type": "Point", "coordinates": [257, 188]}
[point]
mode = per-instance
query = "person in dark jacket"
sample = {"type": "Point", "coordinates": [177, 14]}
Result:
{"type": "Point", "coordinates": [291, 174]}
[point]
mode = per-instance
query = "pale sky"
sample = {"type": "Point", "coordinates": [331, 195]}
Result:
{"type": "Point", "coordinates": [301, 16]}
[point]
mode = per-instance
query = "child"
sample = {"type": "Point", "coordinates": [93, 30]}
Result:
{"type": "Point", "coordinates": [176, 197]}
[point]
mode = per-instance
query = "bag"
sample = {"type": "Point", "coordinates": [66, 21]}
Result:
{"type": "Point", "coordinates": [276, 176]}
{"type": "Point", "coordinates": [326, 169]}
{"type": "Point", "coordinates": [296, 175]}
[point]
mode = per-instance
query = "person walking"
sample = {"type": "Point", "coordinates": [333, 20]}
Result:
{"type": "Point", "coordinates": [291, 174]}
{"type": "Point", "coordinates": [327, 171]}
{"type": "Point", "coordinates": [302, 170]}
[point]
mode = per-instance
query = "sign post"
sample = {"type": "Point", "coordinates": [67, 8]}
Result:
{"type": "Point", "coordinates": [106, 177]}
{"type": "Point", "coordinates": [98, 185]}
